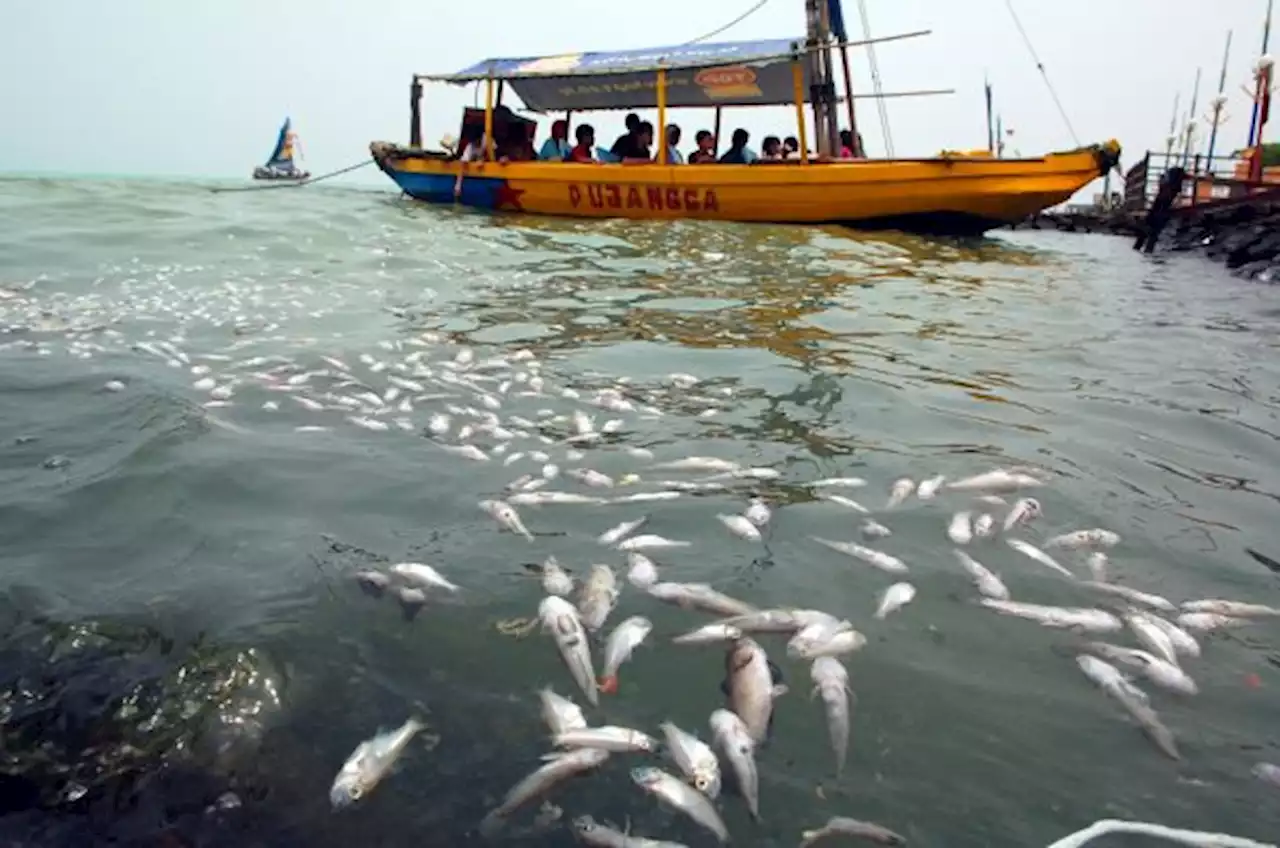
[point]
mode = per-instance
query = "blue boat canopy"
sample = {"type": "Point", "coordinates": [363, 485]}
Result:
{"type": "Point", "coordinates": [731, 73]}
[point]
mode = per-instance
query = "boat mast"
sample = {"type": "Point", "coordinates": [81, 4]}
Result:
{"type": "Point", "coordinates": [991, 140]}
{"type": "Point", "coordinates": [1257, 100]}
{"type": "Point", "coordinates": [1191, 122]}
{"type": "Point", "coordinates": [822, 86]}
{"type": "Point", "coordinates": [1218, 103]}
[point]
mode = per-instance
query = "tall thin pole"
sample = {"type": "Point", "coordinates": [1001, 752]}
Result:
{"type": "Point", "coordinates": [831, 130]}
{"type": "Point", "coordinates": [797, 81]}
{"type": "Point", "coordinates": [1218, 103]}
{"type": "Point", "coordinates": [1173, 129]}
{"type": "Point", "coordinates": [663, 143]}
{"type": "Point", "coordinates": [999, 137]}
{"type": "Point", "coordinates": [991, 141]}
{"type": "Point", "coordinates": [1257, 101]}
{"type": "Point", "coordinates": [1191, 121]}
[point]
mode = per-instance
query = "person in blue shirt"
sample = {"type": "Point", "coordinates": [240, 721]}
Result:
{"type": "Point", "coordinates": [738, 152]}
{"type": "Point", "coordinates": [673, 140]}
{"type": "Point", "coordinates": [556, 148]}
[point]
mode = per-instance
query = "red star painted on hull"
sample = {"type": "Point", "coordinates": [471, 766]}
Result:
{"type": "Point", "coordinates": [508, 196]}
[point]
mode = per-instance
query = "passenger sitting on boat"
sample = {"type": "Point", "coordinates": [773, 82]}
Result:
{"type": "Point", "coordinates": [705, 154]}
{"type": "Point", "coordinates": [628, 137]}
{"type": "Point", "coordinates": [636, 149]}
{"type": "Point", "coordinates": [738, 152]}
{"type": "Point", "coordinates": [771, 149]}
{"type": "Point", "coordinates": [791, 147]}
{"type": "Point", "coordinates": [471, 147]}
{"type": "Point", "coordinates": [515, 145]}
{"type": "Point", "coordinates": [586, 136]}
{"type": "Point", "coordinates": [556, 148]}
{"type": "Point", "coordinates": [673, 139]}
{"type": "Point", "coordinates": [846, 144]}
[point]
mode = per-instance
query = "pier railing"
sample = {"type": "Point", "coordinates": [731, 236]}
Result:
{"type": "Point", "coordinates": [1210, 182]}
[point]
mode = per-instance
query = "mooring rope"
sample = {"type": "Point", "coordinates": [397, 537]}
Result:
{"type": "Point", "coordinates": [1026, 39]}
{"type": "Point", "coordinates": [733, 23]}
{"type": "Point", "coordinates": [298, 183]}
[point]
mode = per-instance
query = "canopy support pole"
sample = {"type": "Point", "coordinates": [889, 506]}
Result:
{"type": "Point", "coordinates": [662, 116]}
{"type": "Point", "coordinates": [502, 84]}
{"type": "Point", "coordinates": [488, 119]}
{"type": "Point", "coordinates": [715, 134]}
{"type": "Point", "coordinates": [415, 114]}
{"type": "Point", "coordinates": [568, 125]}
{"type": "Point", "coordinates": [848, 95]}
{"type": "Point", "coordinates": [797, 81]}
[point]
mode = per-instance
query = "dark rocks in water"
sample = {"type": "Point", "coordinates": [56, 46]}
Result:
{"type": "Point", "coordinates": [1244, 237]}
{"type": "Point", "coordinates": [1115, 223]}
{"type": "Point", "coordinates": [112, 733]}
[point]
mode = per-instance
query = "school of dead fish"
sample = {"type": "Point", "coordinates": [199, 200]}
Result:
{"type": "Point", "coordinates": [458, 403]}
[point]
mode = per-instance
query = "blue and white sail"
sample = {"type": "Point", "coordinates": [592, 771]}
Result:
{"type": "Point", "coordinates": [280, 165]}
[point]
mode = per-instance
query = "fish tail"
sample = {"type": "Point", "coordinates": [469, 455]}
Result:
{"type": "Point", "coordinates": [609, 684]}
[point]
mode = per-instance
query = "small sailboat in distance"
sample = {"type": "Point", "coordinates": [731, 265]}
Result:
{"type": "Point", "coordinates": [280, 166]}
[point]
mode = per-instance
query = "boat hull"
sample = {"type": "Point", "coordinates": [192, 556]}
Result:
{"type": "Point", "coordinates": [263, 173]}
{"type": "Point", "coordinates": [960, 195]}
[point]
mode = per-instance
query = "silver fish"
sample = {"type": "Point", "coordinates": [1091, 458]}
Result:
{"type": "Point", "coordinates": [844, 482]}
{"type": "Point", "coordinates": [895, 598]}
{"type": "Point", "coordinates": [1134, 701]}
{"type": "Point", "coordinates": [847, 503]}
{"type": "Point", "coordinates": [960, 528]}
{"type": "Point", "coordinates": [825, 640]}
{"type": "Point", "coordinates": [370, 762]}
{"type": "Point", "coordinates": [1161, 672]}
{"type": "Point", "coordinates": [842, 826]}
{"type": "Point", "coordinates": [741, 526]}
{"type": "Point", "coordinates": [695, 759]}
{"type": "Point", "coordinates": [466, 452]}
{"type": "Point", "coordinates": [734, 740]}
{"type": "Point", "coordinates": [1234, 609]}
{"type": "Point", "coordinates": [928, 489]}
{"type": "Point", "coordinates": [621, 740]}
{"type": "Point", "coordinates": [616, 533]}
{"type": "Point", "coordinates": [506, 515]}
{"type": "Point", "coordinates": [831, 682]}
{"type": "Point", "coordinates": [598, 597]}
{"type": "Point", "coordinates": [683, 797]}
{"type": "Point", "coordinates": [592, 833]}
{"type": "Point", "coordinates": [1208, 621]}
{"type": "Point", "coordinates": [644, 497]}
{"type": "Point", "coordinates": [1146, 599]}
{"type": "Point", "coordinates": [1098, 562]}
{"type": "Point", "coordinates": [1152, 636]}
{"type": "Point", "coordinates": [698, 463]}
{"type": "Point", "coordinates": [560, 713]}
{"type": "Point", "coordinates": [699, 596]}
{"type": "Point", "coordinates": [1073, 618]}
{"type": "Point", "coordinates": [541, 498]}
{"type": "Point", "coordinates": [709, 634]}
{"type": "Point", "coordinates": [555, 580]}
{"type": "Point", "coordinates": [989, 585]}
{"type": "Point", "coordinates": [984, 526]}
{"type": "Point", "coordinates": [750, 687]}
{"type": "Point", "coordinates": [556, 770]}
{"type": "Point", "coordinates": [900, 491]}
{"type": "Point", "coordinates": [423, 575]}
{"type": "Point", "coordinates": [875, 530]}
{"type": "Point", "coordinates": [780, 620]}
{"type": "Point", "coordinates": [1085, 539]}
{"type": "Point", "coordinates": [879, 559]}
{"type": "Point", "coordinates": [999, 480]}
{"type": "Point", "coordinates": [560, 617]}
{"type": "Point", "coordinates": [1023, 511]}
{"type": "Point", "coordinates": [1183, 642]}
{"type": "Point", "coordinates": [624, 639]}
{"type": "Point", "coordinates": [589, 477]}
{"type": "Point", "coordinates": [650, 542]}
{"type": "Point", "coordinates": [642, 572]}
{"type": "Point", "coordinates": [1029, 550]}
{"type": "Point", "coordinates": [1267, 773]}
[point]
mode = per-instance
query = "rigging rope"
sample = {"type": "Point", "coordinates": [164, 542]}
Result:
{"type": "Point", "coordinates": [296, 184]}
{"type": "Point", "coordinates": [760, 4]}
{"type": "Point", "coordinates": [1040, 66]}
{"type": "Point", "coordinates": [876, 85]}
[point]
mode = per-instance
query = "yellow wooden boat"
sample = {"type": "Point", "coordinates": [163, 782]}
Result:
{"type": "Point", "coordinates": [953, 193]}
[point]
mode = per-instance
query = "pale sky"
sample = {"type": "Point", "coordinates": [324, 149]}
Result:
{"type": "Point", "coordinates": [160, 87]}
